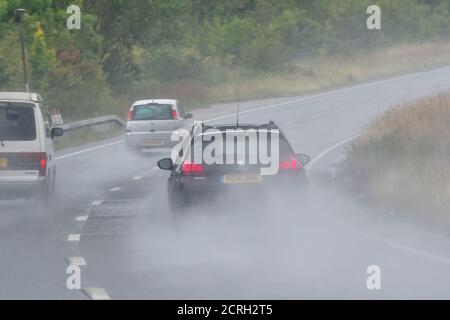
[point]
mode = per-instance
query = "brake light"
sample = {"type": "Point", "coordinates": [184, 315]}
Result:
{"type": "Point", "coordinates": [294, 163]}
{"type": "Point", "coordinates": [43, 165]}
{"type": "Point", "coordinates": [174, 114]}
{"type": "Point", "coordinates": [130, 115]}
{"type": "Point", "coordinates": [189, 168]}
{"type": "Point", "coordinates": [291, 164]}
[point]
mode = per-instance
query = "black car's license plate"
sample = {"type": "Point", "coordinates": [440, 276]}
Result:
{"type": "Point", "coordinates": [242, 179]}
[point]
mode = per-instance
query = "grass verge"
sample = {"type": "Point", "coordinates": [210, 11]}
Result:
{"type": "Point", "coordinates": [402, 161]}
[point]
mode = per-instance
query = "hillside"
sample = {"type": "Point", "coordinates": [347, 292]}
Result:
{"type": "Point", "coordinates": [201, 52]}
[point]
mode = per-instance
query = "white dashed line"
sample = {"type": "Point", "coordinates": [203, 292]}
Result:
{"type": "Point", "coordinates": [81, 218]}
{"type": "Point", "coordinates": [73, 238]}
{"type": "Point", "coordinates": [115, 189]}
{"type": "Point", "coordinates": [97, 203]}
{"type": "Point", "coordinates": [76, 261]}
{"type": "Point", "coordinates": [96, 294]}
{"type": "Point", "coordinates": [145, 174]}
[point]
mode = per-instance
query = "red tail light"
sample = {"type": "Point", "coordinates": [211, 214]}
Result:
{"type": "Point", "coordinates": [291, 164]}
{"type": "Point", "coordinates": [43, 165]}
{"type": "Point", "coordinates": [130, 115]}
{"type": "Point", "coordinates": [174, 114]}
{"type": "Point", "coordinates": [294, 164]}
{"type": "Point", "coordinates": [189, 168]}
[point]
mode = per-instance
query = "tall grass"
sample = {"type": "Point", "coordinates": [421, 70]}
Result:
{"type": "Point", "coordinates": [402, 162]}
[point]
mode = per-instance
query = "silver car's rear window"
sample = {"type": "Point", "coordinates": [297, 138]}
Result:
{"type": "Point", "coordinates": [17, 122]}
{"type": "Point", "coordinates": [152, 112]}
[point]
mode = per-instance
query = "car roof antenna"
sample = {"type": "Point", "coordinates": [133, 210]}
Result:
{"type": "Point", "coordinates": [238, 107]}
{"type": "Point", "coordinates": [237, 116]}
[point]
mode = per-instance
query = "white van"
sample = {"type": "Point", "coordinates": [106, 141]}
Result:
{"type": "Point", "coordinates": [27, 159]}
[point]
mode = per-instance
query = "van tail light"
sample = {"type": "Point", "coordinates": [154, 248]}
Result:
{"type": "Point", "coordinates": [130, 115]}
{"type": "Point", "coordinates": [43, 164]}
{"type": "Point", "coordinates": [175, 114]}
{"type": "Point", "coordinates": [189, 169]}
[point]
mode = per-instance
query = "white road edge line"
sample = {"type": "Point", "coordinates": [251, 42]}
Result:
{"type": "Point", "coordinates": [96, 294]}
{"type": "Point", "coordinates": [371, 236]}
{"type": "Point", "coordinates": [370, 84]}
{"type": "Point", "coordinates": [332, 148]}
{"type": "Point", "coordinates": [398, 246]}
{"type": "Point", "coordinates": [88, 150]}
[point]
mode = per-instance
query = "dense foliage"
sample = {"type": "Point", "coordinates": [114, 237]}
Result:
{"type": "Point", "coordinates": [128, 44]}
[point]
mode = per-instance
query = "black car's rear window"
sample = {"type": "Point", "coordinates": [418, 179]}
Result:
{"type": "Point", "coordinates": [152, 112]}
{"type": "Point", "coordinates": [284, 148]}
{"type": "Point", "coordinates": [17, 122]}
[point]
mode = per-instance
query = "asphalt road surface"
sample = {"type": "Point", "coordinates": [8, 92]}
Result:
{"type": "Point", "coordinates": [111, 211]}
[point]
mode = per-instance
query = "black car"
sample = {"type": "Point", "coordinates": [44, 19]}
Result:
{"type": "Point", "coordinates": [193, 182]}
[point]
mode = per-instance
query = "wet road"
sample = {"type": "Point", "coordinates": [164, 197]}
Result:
{"type": "Point", "coordinates": [114, 205]}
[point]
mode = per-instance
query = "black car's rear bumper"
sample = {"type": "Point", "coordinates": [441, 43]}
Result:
{"type": "Point", "coordinates": [212, 190]}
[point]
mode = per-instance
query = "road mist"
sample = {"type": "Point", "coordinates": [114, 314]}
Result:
{"type": "Point", "coordinates": [262, 248]}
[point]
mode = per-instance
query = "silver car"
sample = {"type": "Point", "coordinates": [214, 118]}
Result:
{"type": "Point", "coordinates": [151, 123]}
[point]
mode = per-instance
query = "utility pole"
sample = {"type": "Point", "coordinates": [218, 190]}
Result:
{"type": "Point", "coordinates": [19, 20]}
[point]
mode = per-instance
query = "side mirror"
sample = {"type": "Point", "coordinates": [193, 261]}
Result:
{"type": "Point", "coordinates": [189, 115]}
{"type": "Point", "coordinates": [57, 132]}
{"type": "Point", "coordinates": [166, 164]}
{"type": "Point", "coordinates": [304, 159]}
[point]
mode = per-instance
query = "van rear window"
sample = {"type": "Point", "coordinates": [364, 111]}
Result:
{"type": "Point", "coordinates": [153, 112]}
{"type": "Point", "coordinates": [17, 122]}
